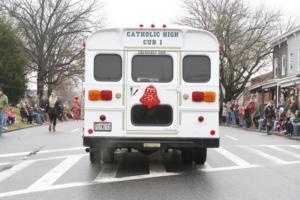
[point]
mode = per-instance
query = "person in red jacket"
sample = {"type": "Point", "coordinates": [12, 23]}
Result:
{"type": "Point", "coordinates": [76, 108]}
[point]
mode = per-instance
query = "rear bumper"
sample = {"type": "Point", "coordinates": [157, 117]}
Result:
{"type": "Point", "coordinates": [125, 142]}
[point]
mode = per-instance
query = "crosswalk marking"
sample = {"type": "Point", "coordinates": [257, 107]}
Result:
{"type": "Point", "coordinates": [296, 146]}
{"type": "Point", "coordinates": [284, 151]}
{"type": "Point", "coordinates": [54, 174]}
{"type": "Point", "coordinates": [14, 169]}
{"type": "Point", "coordinates": [41, 152]}
{"type": "Point", "coordinates": [235, 159]}
{"type": "Point", "coordinates": [75, 130]}
{"type": "Point", "coordinates": [156, 168]}
{"type": "Point", "coordinates": [231, 137]}
{"type": "Point", "coordinates": [267, 156]}
{"type": "Point", "coordinates": [108, 171]}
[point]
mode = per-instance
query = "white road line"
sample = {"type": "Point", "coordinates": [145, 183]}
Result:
{"type": "Point", "coordinates": [5, 163]}
{"type": "Point", "coordinates": [232, 138]}
{"type": "Point", "coordinates": [16, 168]}
{"type": "Point", "coordinates": [156, 168]}
{"type": "Point", "coordinates": [75, 130]}
{"type": "Point", "coordinates": [14, 154]}
{"type": "Point", "coordinates": [41, 152]}
{"type": "Point", "coordinates": [227, 168]}
{"type": "Point", "coordinates": [268, 156]}
{"type": "Point", "coordinates": [235, 159]}
{"type": "Point", "coordinates": [55, 173]}
{"type": "Point", "coordinates": [284, 151]}
{"type": "Point", "coordinates": [108, 171]}
{"type": "Point", "coordinates": [148, 176]}
{"type": "Point", "coordinates": [295, 146]}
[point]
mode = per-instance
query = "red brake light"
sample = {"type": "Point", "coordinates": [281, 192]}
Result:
{"type": "Point", "coordinates": [152, 26]}
{"type": "Point", "coordinates": [106, 95]}
{"type": "Point", "coordinates": [198, 96]}
{"type": "Point", "coordinates": [164, 26]}
{"type": "Point", "coordinates": [141, 26]}
{"type": "Point", "coordinates": [90, 131]}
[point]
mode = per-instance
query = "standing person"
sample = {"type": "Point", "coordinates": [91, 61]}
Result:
{"type": "Point", "coordinates": [251, 107]}
{"type": "Point", "coordinates": [293, 106]}
{"type": "Point", "coordinates": [269, 115]}
{"type": "Point", "coordinates": [53, 109]}
{"type": "Point", "coordinates": [76, 108]}
{"type": "Point", "coordinates": [43, 104]}
{"type": "Point", "coordinates": [224, 113]}
{"type": "Point", "coordinates": [241, 115]}
{"type": "Point", "coordinates": [3, 105]}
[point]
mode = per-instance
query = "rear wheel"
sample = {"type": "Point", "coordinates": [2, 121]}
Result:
{"type": "Point", "coordinates": [187, 156]}
{"type": "Point", "coordinates": [200, 156]}
{"type": "Point", "coordinates": [95, 157]}
{"type": "Point", "coordinates": [108, 155]}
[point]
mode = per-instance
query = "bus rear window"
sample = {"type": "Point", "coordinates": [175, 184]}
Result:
{"type": "Point", "coordinates": [196, 69]}
{"type": "Point", "coordinates": [152, 68]}
{"type": "Point", "coordinates": [108, 67]}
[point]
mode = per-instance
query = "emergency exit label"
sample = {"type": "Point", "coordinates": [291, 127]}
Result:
{"type": "Point", "coordinates": [168, 38]}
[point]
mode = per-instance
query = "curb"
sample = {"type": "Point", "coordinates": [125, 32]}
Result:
{"type": "Point", "coordinates": [31, 126]}
{"type": "Point", "coordinates": [262, 131]}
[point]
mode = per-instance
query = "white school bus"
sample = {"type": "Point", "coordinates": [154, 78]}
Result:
{"type": "Point", "coordinates": [151, 89]}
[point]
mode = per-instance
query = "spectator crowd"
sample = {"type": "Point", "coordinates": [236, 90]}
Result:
{"type": "Point", "coordinates": [284, 118]}
{"type": "Point", "coordinates": [35, 111]}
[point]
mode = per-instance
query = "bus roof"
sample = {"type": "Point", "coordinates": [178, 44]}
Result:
{"type": "Point", "coordinates": [179, 38]}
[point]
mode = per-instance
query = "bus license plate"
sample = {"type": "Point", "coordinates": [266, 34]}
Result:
{"type": "Point", "coordinates": [102, 126]}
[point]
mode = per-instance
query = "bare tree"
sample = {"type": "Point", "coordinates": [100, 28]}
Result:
{"type": "Point", "coordinates": [52, 32]}
{"type": "Point", "coordinates": [243, 33]}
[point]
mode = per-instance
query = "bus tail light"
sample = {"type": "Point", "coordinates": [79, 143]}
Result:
{"type": "Point", "coordinates": [95, 95]}
{"type": "Point", "coordinates": [204, 96]}
{"type": "Point", "coordinates": [209, 96]}
{"type": "Point", "coordinates": [90, 131]}
{"type": "Point", "coordinates": [106, 95]}
{"type": "Point", "coordinates": [198, 96]}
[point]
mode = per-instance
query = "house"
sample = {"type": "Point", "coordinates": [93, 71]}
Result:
{"type": "Point", "coordinates": [285, 70]}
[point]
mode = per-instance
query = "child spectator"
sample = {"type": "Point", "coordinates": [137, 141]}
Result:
{"type": "Point", "coordinates": [11, 117]}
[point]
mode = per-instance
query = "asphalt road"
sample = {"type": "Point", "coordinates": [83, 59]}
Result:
{"type": "Point", "coordinates": [36, 164]}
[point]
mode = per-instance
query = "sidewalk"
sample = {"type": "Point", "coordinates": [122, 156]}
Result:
{"type": "Point", "coordinates": [263, 131]}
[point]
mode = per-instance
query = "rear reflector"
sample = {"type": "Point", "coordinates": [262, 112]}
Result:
{"type": "Point", "coordinates": [198, 96]}
{"type": "Point", "coordinates": [102, 117]}
{"type": "Point", "coordinates": [212, 132]}
{"type": "Point", "coordinates": [200, 118]}
{"type": "Point", "coordinates": [90, 131]}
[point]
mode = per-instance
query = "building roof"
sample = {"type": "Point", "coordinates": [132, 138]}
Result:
{"type": "Point", "coordinates": [284, 36]}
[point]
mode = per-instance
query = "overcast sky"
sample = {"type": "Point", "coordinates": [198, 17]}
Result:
{"type": "Point", "coordinates": [135, 12]}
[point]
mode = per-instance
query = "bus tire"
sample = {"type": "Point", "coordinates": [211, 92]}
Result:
{"type": "Point", "coordinates": [186, 156]}
{"type": "Point", "coordinates": [108, 155]}
{"type": "Point", "coordinates": [200, 156]}
{"type": "Point", "coordinates": [95, 157]}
